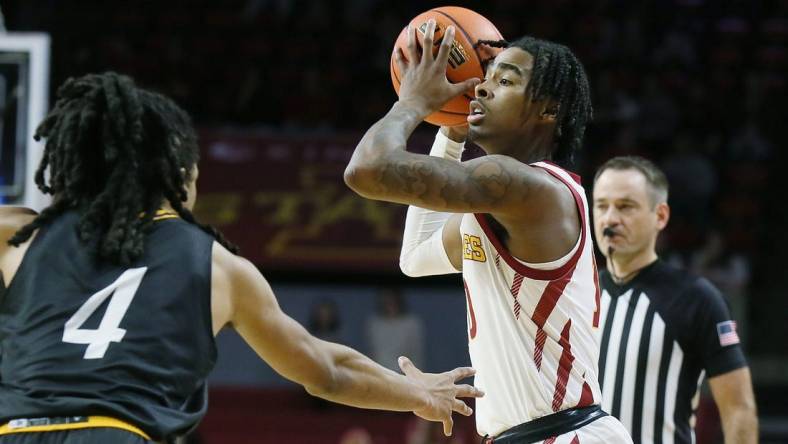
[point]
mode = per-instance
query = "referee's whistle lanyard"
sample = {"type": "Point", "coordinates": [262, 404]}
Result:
{"type": "Point", "coordinates": [613, 274]}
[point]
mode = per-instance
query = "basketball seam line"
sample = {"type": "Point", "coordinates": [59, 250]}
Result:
{"type": "Point", "coordinates": [467, 37]}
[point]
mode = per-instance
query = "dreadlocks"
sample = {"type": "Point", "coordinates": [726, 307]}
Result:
{"type": "Point", "coordinates": [114, 152]}
{"type": "Point", "coordinates": [559, 77]}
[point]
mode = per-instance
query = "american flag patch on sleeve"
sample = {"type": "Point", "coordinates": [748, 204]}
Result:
{"type": "Point", "coordinates": [727, 333]}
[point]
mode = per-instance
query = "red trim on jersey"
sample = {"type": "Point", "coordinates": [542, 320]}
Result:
{"type": "Point", "coordinates": [548, 300]}
{"type": "Point", "coordinates": [574, 176]}
{"type": "Point", "coordinates": [544, 308]}
{"type": "Point", "coordinates": [470, 310]}
{"type": "Point", "coordinates": [517, 282]}
{"type": "Point", "coordinates": [575, 440]}
{"type": "Point", "coordinates": [586, 396]}
{"type": "Point", "coordinates": [534, 273]}
{"type": "Point", "coordinates": [541, 337]}
{"type": "Point", "coordinates": [550, 440]}
{"type": "Point", "coordinates": [598, 295]}
{"type": "Point", "coordinates": [564, 367]}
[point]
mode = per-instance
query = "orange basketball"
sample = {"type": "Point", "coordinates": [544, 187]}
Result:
{"type": "Point", "coordinates": [465, 61]}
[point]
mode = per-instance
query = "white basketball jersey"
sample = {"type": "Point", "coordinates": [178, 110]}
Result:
{"type": "Point", "coordinates": [532, 327]}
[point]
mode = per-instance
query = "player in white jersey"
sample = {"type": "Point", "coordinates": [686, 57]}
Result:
{"type": "Point", "coordinates": [515, 224]}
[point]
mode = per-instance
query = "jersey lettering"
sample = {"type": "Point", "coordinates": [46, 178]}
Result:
{"type": "Point", "coordinates": [472, 248]}
{"type": "Point", "coordinates": [122, 292]}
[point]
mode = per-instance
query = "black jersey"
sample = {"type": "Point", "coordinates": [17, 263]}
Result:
{"type": "Point", "coordinates": [661, 332]}
{"type": "Point", "coordinates": [80, 337]}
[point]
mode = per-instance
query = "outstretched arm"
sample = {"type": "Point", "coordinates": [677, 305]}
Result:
{"type": "Point", "coordinates": [328, 370]}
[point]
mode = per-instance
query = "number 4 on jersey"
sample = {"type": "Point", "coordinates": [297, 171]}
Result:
{"type": "Point", "coordinates": [122, 292]}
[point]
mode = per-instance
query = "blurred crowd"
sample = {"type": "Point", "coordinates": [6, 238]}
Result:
{"type": "Point", "coordinates": [696, 85]}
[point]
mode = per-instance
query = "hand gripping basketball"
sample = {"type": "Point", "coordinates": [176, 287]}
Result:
{"type": "Point", "coordinates": [467, 57]}
{"type": "Point", "coordinates": [425, 87]}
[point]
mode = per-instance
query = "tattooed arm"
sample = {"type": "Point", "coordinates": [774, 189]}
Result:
{"type": "Point", "coordinates": [381, 169]}
{"type": "Point", "coordinates": [431, 241]}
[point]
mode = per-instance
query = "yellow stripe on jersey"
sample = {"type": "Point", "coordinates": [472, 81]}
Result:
{"type": "Point", "coordinates": [162, 215]}
{"type": "Point", "coordinates": [90, 422]}
{"type": "Point", "coordinates": [165, 214]}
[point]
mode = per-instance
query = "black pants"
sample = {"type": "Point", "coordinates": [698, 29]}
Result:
{"type": "Point", "coordinates": [93, 435]}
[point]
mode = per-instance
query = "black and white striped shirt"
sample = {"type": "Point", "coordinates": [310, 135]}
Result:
{"type": "Point", "coordinates": [660, 336]}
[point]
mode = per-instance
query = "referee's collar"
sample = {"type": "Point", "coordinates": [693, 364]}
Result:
{"type": "Point", "coordinates": [617, 289]}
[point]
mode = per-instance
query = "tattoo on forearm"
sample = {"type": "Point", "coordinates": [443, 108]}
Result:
{"type": "Point", "coordinates": [412, 179]}
{"type": "Point", "coordinates": [430, 182]}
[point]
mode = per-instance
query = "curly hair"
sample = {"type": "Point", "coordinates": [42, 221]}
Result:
{"type": "Point", "coordinates": [115, 153]}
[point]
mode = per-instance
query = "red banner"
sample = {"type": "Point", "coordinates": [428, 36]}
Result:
{"type": "Point", "coordinates": [283, 200]}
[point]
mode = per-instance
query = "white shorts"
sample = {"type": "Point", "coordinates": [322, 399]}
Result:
{"type": "Point", "coordinates": [605, 430]}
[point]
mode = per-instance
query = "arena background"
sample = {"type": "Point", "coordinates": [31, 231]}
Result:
{"type": "Point", "coordinates": [281, 91]}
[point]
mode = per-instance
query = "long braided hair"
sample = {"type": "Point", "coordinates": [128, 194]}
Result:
{"type": "Point", "coordinates": [114, 153]}
{"type": "Point", "coordinates": [557, 76]}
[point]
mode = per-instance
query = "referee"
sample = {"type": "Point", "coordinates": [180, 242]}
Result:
{"type": "Point", "coordinates": [662, 329]}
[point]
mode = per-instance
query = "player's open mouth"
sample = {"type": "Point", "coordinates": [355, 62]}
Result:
{"type": "Point", "coordinates": [476, 114]}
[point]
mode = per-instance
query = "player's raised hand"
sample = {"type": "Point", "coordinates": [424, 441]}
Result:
{"type": "Point", "coordinates": [424, 83]}
{"type": "Point", "coordinates": [443, 392]}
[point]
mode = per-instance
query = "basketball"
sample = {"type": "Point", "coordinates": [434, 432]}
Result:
{"type": "Point", "coordinates": [465, 61]}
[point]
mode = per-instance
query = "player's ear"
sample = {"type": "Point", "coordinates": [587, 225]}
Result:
{"type": "Point", "coordinates": [549, 111]}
